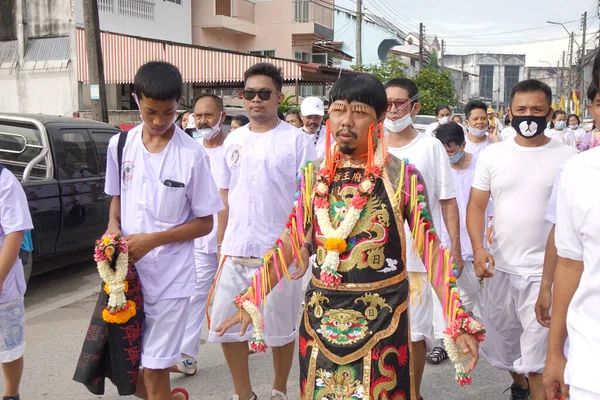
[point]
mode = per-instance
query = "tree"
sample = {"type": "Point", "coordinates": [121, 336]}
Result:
{"type": "Point", "coordinates": [288, 103]}
{"type": "Point", "coordinates": [391, 68]}
{"type": "Point", "coordinates": [435, 89]}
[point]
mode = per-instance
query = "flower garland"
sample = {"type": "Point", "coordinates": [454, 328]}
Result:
{"type": "Point", "coordinates": [246, 302]}
{"type": "Point", "coordinates": [119, 310]}
{"type": "Point", "coordinates": [424, 235]}
{"type": "Point", "coordinates": [335, 242]}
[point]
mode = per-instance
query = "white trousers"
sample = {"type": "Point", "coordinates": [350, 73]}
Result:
{"type": "Point", "coordinates": [425, 311]}
{"type": "Point", "coordinates": [470, 289]}
{"type": "Point", "coordinates": [206, 269]}
{"type": "Point", "coordinates": [582, 394]}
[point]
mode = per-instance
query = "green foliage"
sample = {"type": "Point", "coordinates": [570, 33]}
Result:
{"type": "Point", "coordinates": [288, 103]}
{"type": "Point", "coordinates": [432, 61]}
{"type": "Point", "coordinates": [435, 88]}
{"type": "Point", "coordinates": [392, 67]}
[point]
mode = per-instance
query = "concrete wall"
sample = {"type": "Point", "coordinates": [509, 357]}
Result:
{"type": "Point", "coordinates": [48, 18]}
{"type": "Point", "coordinates": [172, 22]}
{"type": "Point", "coordinates": [38, 92]}
{"type": "Point", "coordinates": [113, 97]}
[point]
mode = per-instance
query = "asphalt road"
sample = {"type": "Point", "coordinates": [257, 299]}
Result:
{"type": "Point", "coordinates": [58, 309]}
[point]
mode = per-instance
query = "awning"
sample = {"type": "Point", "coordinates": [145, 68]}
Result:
{"type": "Point", "coordinates": [9, 55]}
{"type": "Point", "coordinates": [123, 55]}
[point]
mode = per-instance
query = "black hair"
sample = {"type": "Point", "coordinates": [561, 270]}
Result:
{"type": "Point", "coordinates": [216, 98]}
{"type": "Point", "coordinates": [406, 84]}
{"type": "Point", "coordinates": [531, 85]}
{"type": "Point", "coordinates": [440, 108]}
{"type": "Point", "coordinates": [507, 120]}
{"type": "Point", "coordinates": [594, 87]}
{"type": "Point", "coordinates": [475, 105]}
{"type": "Point", "coordinates": [179, 119]}
{"type": "Point", "coordinates": [576, 116]}
{"type": "Point", "coordinates": [158, 80]}
{"type": "Point", "coordinates": [450, 133]}
{"type": "Point", "coordinates": [457, 116]}
{"type": "Point", "coordinates": [266, 69]}
{"type": "Point", "coordinates": [241, 119]}
{"type": "Point", "coordinates": [294, 111]}
{"type": "Point", "coordinates": [362, 88]}
{"type": "Point", "coordinates": [280, 115]}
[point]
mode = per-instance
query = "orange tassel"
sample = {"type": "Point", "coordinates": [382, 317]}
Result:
{"type": "Point", "coordinates": [371, 152]}
{"type": "Point", "coordinates": [382, 142]}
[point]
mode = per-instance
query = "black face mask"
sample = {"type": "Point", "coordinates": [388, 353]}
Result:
{"type": "Point", "coordinates": [529, 126]}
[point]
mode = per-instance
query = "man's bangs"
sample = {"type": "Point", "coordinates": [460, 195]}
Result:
{"type": "Point", "coordinates": [360, 88]}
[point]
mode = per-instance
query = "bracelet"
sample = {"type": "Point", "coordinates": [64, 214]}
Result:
{"type": "Point", "coordinates": [218, 246]}
{"type": "Point", "coordinates": [114, 220]}
{"type": "Point", "coordinates": [479, 248]}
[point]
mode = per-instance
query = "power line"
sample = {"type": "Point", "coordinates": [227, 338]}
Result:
{"type": "Point", "coordinates": [507, 32]}
{"type": "Point", "coordinates": [397, 13]}
{"type": "Point", "coordinates": [383, 13]}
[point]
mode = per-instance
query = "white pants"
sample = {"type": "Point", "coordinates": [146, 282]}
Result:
{"type": "Point", "coordinates": [425, 311]}
{"type": "Point", "coordinates": [280, 313]}
{"type": "Point", "coordinates": [581, 394]}
{"type": "Point", "coordinates": [164, 326]}
{"type": "Point", "coordinates": [470, 289]}
{"type": "Point", "coordinates": [206, 269]}
{"type": "Point", "coordinates": [515, 340]}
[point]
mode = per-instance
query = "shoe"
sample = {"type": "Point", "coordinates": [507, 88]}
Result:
{"type": "Point", "coordinates": [437, 355]}
{"type": "Point", "coordinates": [188, 365]}
{"type": "Point", "coordinates": [182, 391]}
{"type": "Point", "coordinates": [518, 393]}
{"type": "Point", "coordinates": [277, 395]}
{"type": "Point", "coordinates": [236, 397]}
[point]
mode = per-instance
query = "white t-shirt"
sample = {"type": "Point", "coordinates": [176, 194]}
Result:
{"type": "Point", "coordinates": [565, 136]}
{"type": "Point", "coordinates": [431, 128]}
{"type": "Point", "coordinates": [508, 133]}
{"type": "Point", "coordinates": [578, 238]}
{"type": "Point", "coordinates": [318, 139]}
{"type": "Point", "coordinates": [520, 180]}
{"type": "Point", "coordinates": [476, 148]}
{"type": "Point", "coordinates": [579, 134]}
{"type": "Point", "coordinates": [14, 217]}
{"type": "Point", "coordinates": [430, 158]}
{"type": "Point", "coordinates": [463, 179]}
{"type": "Point", "coordinates": [159, 192]}
{"type": "Point", "coordinates": [260, 172]}
{"type": "Point", "coordinates": [551, 211]}
{"type": "Point", "coordinates": [208, 244]}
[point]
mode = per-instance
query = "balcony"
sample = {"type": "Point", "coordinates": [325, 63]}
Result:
{"type": "Point", "coordinates": [240, 9]}
{"type": "Point", "coordinates": [312, 12]}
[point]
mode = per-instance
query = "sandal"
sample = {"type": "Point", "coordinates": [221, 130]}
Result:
{"type": "Point", "coordinates": [181, 391]}
{"type": "Point", "coordinates": [437, 355]}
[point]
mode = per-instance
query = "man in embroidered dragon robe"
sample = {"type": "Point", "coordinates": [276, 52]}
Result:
{"type": "Point", "coordinates": [354, 333]}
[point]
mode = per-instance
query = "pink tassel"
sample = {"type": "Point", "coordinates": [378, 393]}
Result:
{"type": "Point", "coordinates": [438, 280]}
{"type": "Point", "coordinates": [276, 266]}
{"type": "Point", "coordinates": [406, 186]}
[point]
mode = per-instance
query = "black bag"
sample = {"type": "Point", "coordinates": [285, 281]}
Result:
{"type": "Point", "coordinates": [113, 351]}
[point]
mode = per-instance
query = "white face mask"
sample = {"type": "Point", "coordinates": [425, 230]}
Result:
{"type": "Point", "coordinates": [398, 125]}
{"type": "Point", "coordinates": [478, 133]}
{"type": "Point", "coordinates": [208, 133]}
{"type": "Point", "coordinates": [444, 120]}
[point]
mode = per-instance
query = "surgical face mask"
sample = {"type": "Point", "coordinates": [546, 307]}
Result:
{"type": "Point", "coordinates": [398, 125]}
{"type": "Point", "coordinates": [560, 125]}
{"type": "Point", "coordinates": [478, 133]}
{"type": "Point", "coordinates": [456, 158]}
{"type": "Point", "coordinates": [444, 120]}
{"type": "Point", "coordinates": [208, 133]}
{"type": "Point", "coordinates": [529, 126]}
{"type": "Point", "coordinates": [574, 126]}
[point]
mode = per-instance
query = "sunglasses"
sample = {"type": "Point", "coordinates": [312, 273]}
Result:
{"type": "Point", "coordinates": [263, 94]}
{"type": "Point", "coordinates": [398, 103]}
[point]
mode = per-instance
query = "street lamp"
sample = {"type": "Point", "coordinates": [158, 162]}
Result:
{"type": "Point", "coordinates": [566, 30]}
{"type": "Point", "coordinates": [557, 75]}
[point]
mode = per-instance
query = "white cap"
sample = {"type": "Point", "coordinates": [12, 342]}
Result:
{"type": "Point", "coordinates": [191, 122]}
{"type": "Point", "coordinates": [312, 106]}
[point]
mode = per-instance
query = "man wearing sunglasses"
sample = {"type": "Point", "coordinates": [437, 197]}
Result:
{"type": "Point", "coordinates": [258, 183]}
{"type": "Point", "coordinates": [429, 156]}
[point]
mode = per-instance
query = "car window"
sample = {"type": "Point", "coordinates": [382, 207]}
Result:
{"type": "Point", "coordinates": [20, 143]}
{"type": "Point", "coordinates": [79, 159]}
{"type": "Point", "coordinates": [101, 138]}
{"type": "Point", "coordinates": [424, 119]}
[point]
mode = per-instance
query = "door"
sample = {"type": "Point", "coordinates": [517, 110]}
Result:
{"type": "Point", "coordinates": [82, 190]}
{"type": "Point", "coordinates": [101, 138]}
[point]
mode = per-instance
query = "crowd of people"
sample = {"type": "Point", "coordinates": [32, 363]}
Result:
{"type": "Point", "coordinates": [341, 223]}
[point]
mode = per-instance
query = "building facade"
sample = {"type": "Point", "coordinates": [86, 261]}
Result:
{"type": "Point", "coordinates": [487, 77]}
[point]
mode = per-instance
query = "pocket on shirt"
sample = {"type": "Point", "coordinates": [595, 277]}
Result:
{"type": "Point", "coordinates": [170, 202]}
{"type": "Point", "coordinates": [283, 164]}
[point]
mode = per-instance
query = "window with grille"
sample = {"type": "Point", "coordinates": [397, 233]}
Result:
{"type": "Point", "coordinates": [511, 78]}
{"type": "Point", "coordinates": [137, 9]}
{"type": "Point", "coordinates": [486, 82]}
{"type": "Point", "coordinates": [266, 53]}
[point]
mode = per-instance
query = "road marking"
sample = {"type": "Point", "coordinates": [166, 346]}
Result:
{"type": "Point", "coordinates": [61, 303]}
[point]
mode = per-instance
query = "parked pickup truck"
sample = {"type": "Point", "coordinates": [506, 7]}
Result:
{"type": "Point", "coordinates": [61, 163]}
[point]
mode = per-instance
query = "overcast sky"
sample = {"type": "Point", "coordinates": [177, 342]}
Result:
{"type": "Point", "coordinates": [470, 26]}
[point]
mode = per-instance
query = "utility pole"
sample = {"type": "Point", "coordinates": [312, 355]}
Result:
{"type": "Point", "coordinates": [462, 78]}
{"type": "Point", "coordinates": [562, 75]}
{"type": "Point", "coordinates": [571, 70]}
{"type": "Point", "coordinates": [420, 46]}
{"type": "Point", "coordinates": [94, 59]}
{"type": "Point", "coordinates": [444, 50]}
{"type": "Point", "coordinates": [582, 71]}
{"type": "Point", "coordinates": [359, 32]}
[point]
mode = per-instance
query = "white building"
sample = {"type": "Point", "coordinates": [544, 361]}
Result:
{"type": "Point", "coordinates": [489, 77]}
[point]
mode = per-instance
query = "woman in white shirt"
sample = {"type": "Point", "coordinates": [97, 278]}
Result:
{"type": "Point", "coordinates": [575, 126]}
{"type": "Point", "coordinates": [442, 114]}
{"type": "Point", "coordinates": [558, 129]}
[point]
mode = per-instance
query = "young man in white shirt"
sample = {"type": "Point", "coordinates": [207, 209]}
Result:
{"type": "Point", "coordinates": [518, 174]}
{"type": "Point", "coordinates": [163, 200]}
{"type": "Point", "coordinates": [463, 171]}
{"type": "Point", "coordinates": [574, 375]}
{"type": "Point", "coordinates": [208, 118]}
{"type": "Point", "coordinates": [15, 220]}
{"type": "Point", "coordinates": [258, 183]}
{"type": "Point", "coordinates": [312, 111]}
{"type": "Point", "coordinates": [481, 133]}
{"type": "Point", "coordinates": [429, 156]}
